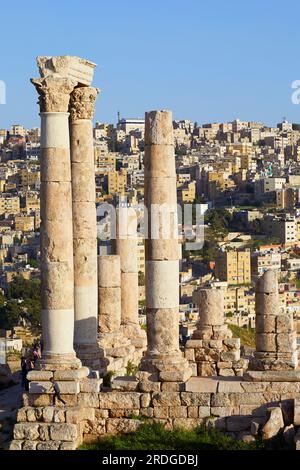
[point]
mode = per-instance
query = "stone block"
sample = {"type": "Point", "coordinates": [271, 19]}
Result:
{"type": "Point", "coordinates": [37, 399]}
{"type": "Point", "coordinates": [177, 412]}
{"type": "Point", "coordinates": [68, 388]}
{"type": "Point", "coordinates": [187, 423]}
{"type": "Point", "coordinates": [226, 386]}
{"type": "Point", "coordinates": [15, 445]}
{"type": "Point", "coordinates": [226, 373]}
{"type": "Point", "coordinates": [72, 375]}
{"type": "Point", "coordinates": [68, 446]}
{"type": "Point", "coordinates": [100, 414]}
{"type": "Point", "coordinates": [248, 398]}
{"type": "Point", "coordinates": [77, 414]}
{"type": "Point", "coordinates": [122, 425]}
{"type": "Point", "coordinates": [122, 400]}
{"type": "Point", "coordinates": [220, 399]}
{"type": "Point", "coordinates": [161, 412]}
{"type": "Point", "coordinates": [28, 431]}
{"type": "Point", "coordinates": [118, 413]}
{"type": "Point", "coordinates": [221, 411]}
{"type": "Point", "coordinates": [193, 411]}
{"type": "Point", "coordinates": [48, 412]}
{"type": "Point", "coordinates": [22, 414]}
{"type": "Point", "coordinates": [149, 386]}
{"type": "Point", "coordinates": [274, 424]}
{"type": "Point", "coordinates": [145, 400]}
{"type": "Point", "coordinates": [148, 412]}
{"type": "Point", "coordinates": [59, 416]}
{"type": "Point", "coordinates": [44, 433]}
{"type": "Point", "coordinates": [254, 387]}
{"type": "Point", "coordinates": [176, 376]}
{"type": "Point", "coordinates": [203, 411]}
{"type": "Point", "coordinates": [128, 384]}
{"type": "Point", "coordinates": [195, 398]}
{"type": "Point", "coordinates": [49, 445]}
{"type": "Point", "coordinates": [90, 385]}
{"type": "Point", "coordinates": [232, 343]}
{"type": "Point", "coordinates": [173, 387]}
{"type": "Point", "coordinates": [297, 412]}
{"type": "Point", "coordinates": [284, 323]}
{"type": "Point", "coordinates": [194, 343]}
{"type": "Point", "coordinates": [166, 399]}
{"type": "Point", "coordinates": [189, 354]}
{"type": "Point", "coordinates": [41, 387]}
{"type": "Point", "coordinates": [286, 342]}
{"type": "Point", "coordinates": [71, 400]}
{"type": "Point", "coordinates": [63, 432]}
{"type": "Point", "coordinates": [89, 400]}
{"type": "Point", "coordinates": [230, 356]}
{"type": "Point", "coordinates": [206, 369]}
{"type": "Point", "coordinates": [238, 423]}
{"type": "Point", "coordinates": [39, 375]}
{"type": "Point", "coordinates": [31, 415]}
{"type": "Point", "coordinates": [202, 384]}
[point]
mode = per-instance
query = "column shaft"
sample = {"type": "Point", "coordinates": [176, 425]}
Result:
{"type": "Point", "coordinates": [57, 274]}
{"type": "Point", "coordinates": [84, 225]}
{"type": "Point", "coordinates": [161, 249]}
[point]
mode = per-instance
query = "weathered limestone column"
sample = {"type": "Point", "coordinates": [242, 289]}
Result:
{"type": "Point", "coordinates": [126, 248]}
{"type": "Point", "coordinates": [84, 225]}
{"type": "Point", "coordinates": [115, 348]}
{"type": "Point", "coordinates": [276, 346]}
{"type": "Point", "coordinates": [57, 274]}
{"type": "Point", "coordinates": [161, 250]}
{"type": "Point", "coordinates": [109, 278]}
{"type": "Point", "coordinates": [211, 322]}
{"type": "Point", "coordinates": [212, 349]}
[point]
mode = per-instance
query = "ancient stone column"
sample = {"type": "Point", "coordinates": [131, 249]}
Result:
{"type": "Point", "coordinates": [276, 346]}
{"type": "Point", "coordinates": [109, 282]}
{"type": "Point", "coordinates": [212, 347]}
{"type": "Point", "coordinates": [57, 274]}
{"type": "Point", "coordinates": [210, 324]}
{"type": "Point", "coordinates": [161, 251]}
{"type": "Point", "coordinates": [84, 225]}
{"type": "Point", "coordinates": [126, 248]}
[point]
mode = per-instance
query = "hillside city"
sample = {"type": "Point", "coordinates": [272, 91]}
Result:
{"type": "Point", "coordinates": [247, 172]}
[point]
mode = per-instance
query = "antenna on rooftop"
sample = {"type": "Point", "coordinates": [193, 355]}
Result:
{"type": "Point", "coordinates": [119, 115]}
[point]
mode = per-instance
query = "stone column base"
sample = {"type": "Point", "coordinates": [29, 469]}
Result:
{"type": "Point", "coordinates": [50, 362]}
{"type": "Point", "coordinates": [168, 368]}
{"type": "Point", "coordinates": [90, 355]}
{"type": "Point", "coordinates": [274, 361]}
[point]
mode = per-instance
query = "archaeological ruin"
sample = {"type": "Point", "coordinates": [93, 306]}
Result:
{"type": "Point", "coordinates": [90, 323]}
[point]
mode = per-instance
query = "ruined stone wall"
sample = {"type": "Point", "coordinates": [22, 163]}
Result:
{"type": "Point", "coordinates": [238, 408]}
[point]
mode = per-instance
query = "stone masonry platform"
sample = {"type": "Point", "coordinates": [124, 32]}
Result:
{"type": "Point", "coordinates": [237, 407]}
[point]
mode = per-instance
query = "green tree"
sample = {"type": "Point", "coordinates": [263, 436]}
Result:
{"type": "Point", "coordinates": [10, 315]}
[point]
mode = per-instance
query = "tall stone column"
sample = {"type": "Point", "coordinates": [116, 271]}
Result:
{"type": "Point", "coordinates": [126, 248]}
{"type": "Point", "coordinates": [162, 253]}
{"type": "Point", "coordinates": [57, 273]}
{"type": "Point", "coordinates": [84, 225]}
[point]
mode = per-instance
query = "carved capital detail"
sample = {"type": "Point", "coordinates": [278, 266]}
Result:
{"type": "Point", "coordinates": [54, 93]}
{"type": "Point", "coordinates": [82, 103]}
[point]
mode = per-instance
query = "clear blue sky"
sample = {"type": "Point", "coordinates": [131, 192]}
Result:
{"type": "Point", "coordinates": [205, 60]}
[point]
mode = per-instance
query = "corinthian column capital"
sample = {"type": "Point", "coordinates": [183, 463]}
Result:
{"type": "Point", "coordinates": [82, 103]}
{"type": "Point", "coordinates": [54, 93]}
